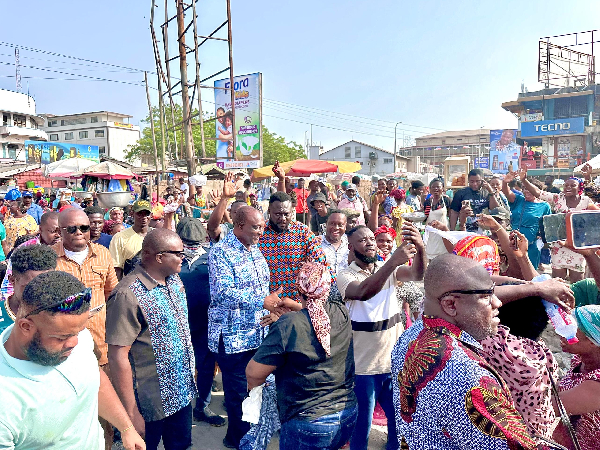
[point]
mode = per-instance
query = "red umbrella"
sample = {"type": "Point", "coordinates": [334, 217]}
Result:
{"type": "Point", "coordinates": [304, 167]}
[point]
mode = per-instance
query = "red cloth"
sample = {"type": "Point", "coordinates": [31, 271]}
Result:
{"type": "Point", "coordinates": [301, 195]}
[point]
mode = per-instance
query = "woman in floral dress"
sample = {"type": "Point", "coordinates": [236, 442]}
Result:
{"type": "Point", "coordinates": [18, 224]}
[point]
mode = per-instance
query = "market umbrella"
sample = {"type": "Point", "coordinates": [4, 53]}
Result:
{"type": "Point", "coordinates": [109, 170]}
{"type": "Point", "coordinates": [65, 168]}
{"type": "Point", "coordinates": [302, 167]}
{"type": "Point", "coordinates": [594, 163]}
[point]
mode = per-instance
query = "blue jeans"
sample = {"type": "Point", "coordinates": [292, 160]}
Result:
{"type": "Point", "coordinates": [369, 389]}
{"type": "Point", "coordinates": [175, 430]}
{"type": "Point", "coordinates": [328, 432]}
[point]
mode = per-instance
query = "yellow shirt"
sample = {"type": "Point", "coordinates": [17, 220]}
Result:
{"type": "Point", "coordinates": [124, 245]}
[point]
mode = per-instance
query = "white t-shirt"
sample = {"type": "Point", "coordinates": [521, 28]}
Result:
{"type": "Point", "coordinates": [186, 190]}
{"type": "Point", "coordinates": [78, 257]}
{"type": "Point", "coordinates": [50, 407]}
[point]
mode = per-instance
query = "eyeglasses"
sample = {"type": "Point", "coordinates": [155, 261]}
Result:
{"type": "Point", "coordinates": [489, 291]}
{"type": "Point", "coordinates": [71, 303]}
{"type": "Point", "coordinates": [72, 229]}
{"type": "Point", "coordinates": [177, 253]}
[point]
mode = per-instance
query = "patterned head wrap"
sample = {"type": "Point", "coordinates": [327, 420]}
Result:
{"type": "Point", "coordinates": [588, 321]}
{"type": "Point", "coordinates": [581, 184]}
{"type": "Point", "coordinates": [383, 229]}
{"type": "Point", "coordinates": [481, 249]}
{"type": "Point", "coordinates": [398, 194]}
{"type": "Point", "coordinates": [314, 282]}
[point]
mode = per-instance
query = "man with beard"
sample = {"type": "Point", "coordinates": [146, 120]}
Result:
{"type": "Point", "coordinates": [49, 235]}
{"type": "Point", "coordinates": [369, 288]}
{"type": "Point", "coordinates": [51, 388]}
{"type": "Point", "coordinates": [287, 245]}
{"type": "Point", "coordinates": [446, 396]}
{"type": "Point", "coordinates": [27, 263]}
{"type": "Point", "coordinates": [127, 243]}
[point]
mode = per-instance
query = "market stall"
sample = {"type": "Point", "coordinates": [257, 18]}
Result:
{"type": "Point", "coordinates": [110, 182]}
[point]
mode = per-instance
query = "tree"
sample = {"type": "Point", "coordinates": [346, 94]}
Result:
{"type": "Point", "coordinates": [274, 146]}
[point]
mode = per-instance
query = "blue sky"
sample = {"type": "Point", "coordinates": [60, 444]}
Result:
{"type": "Point", "coordinates": [447, 65]}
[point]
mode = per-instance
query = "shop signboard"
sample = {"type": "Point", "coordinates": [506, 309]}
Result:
{"type": "Point", "coordinates": [504, 151]}
{"type": "Point", "coordinates": [247, 126]}
{"type": "Point", "coordinates": [482, 162]}
{"type": "Point", "coordinates": [555, 127]}
{"type": "Point", "coordinates": [533, 117]}
{"type": "Point", "coordinates": [38, 152]}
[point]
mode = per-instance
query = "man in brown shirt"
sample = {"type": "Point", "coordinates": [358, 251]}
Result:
{"type": "Point", "coordinates": [91, 264]}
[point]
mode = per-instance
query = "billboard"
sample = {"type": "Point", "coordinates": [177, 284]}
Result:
{"type": "Point", "coordinates": [504, 151]}
{"type": "Point", "coordinates": [47, 152]}
{"type": "Point", "coordinates": [556, 127]}
{"type": "Point", "coordinates": [247, 126]}
{"type": "Point", "coordinates": [482, 162]}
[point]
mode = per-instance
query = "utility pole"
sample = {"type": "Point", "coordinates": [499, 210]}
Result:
{"type": "Point", "coordinates": [198, 80]}
{"type": "Point", "coordinates": [230, 44]}
{"type": "Point", "coordinates": [153, 136]}
{"type": "Point", "coordinates": [165, 33]}
{"type": "Point", "coordinates": [187, 129]}
{"type": "Point", "coordinates": [395, 147]}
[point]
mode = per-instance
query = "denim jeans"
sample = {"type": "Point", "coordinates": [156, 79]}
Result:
{"type": "Point", "coordinates": [205, 365]}
{"type": "Point", "coordinates": [369, 389]}
{"type": "Point", "coordinates": [235, 388]}
{"type": "Point", "coordinates": [328, 432]}
{"type": "Point", "coordinates": [175, 430]}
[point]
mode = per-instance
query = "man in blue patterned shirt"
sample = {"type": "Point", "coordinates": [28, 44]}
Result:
{"type": "Point", "coordinates": [149, 341]}
{"type": "Point", "coordinates": [239, 290]}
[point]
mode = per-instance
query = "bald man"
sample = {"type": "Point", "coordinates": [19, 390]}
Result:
{"type": "Point", "coordinates": [446, 396]}
{"type": "Point", "coordinates": [148, 334]}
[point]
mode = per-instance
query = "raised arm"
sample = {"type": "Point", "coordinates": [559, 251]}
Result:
{"type": "Point", "coordinates": [416, 270]}
{"type": "Point", "coordinates": [535, 191]}
{"type": "Point", "coordinates": [510, 195]}
{"type": "Point", "coordinates": [377, 200]}
{"type": "Point", "coordinates": [214, 221]}
{"type": "Point", "coordinates": [280, 174]}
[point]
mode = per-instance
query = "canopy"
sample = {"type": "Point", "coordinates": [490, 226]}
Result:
{"type": "Point", "coordinates": [109, 170]}
{"type": "Point", "coordinates": [303, 167]}
{"type": "Point", "coordinates": [594, 162]}
{"type": "Point", "coordinates": [65, 168]}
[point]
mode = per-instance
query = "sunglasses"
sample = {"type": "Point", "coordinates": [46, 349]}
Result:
{"type": "Point", "coordinates": [72, 229]}
{"type": "Point", "coordinates": [71, 303]}
{"type": "Point", "coordinates": [489, 291]}
{"type": "Point", "coordinates": [177, 253]}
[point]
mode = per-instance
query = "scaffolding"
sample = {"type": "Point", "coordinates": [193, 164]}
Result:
{"type": "Point", "coordinates": [187, 27]}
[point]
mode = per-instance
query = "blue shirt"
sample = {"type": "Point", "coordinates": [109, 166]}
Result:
{"type": "Point", "coordinates": [239, 283]}
{"type": "Point", "coordinates": [525, 216]}
{"type": "Point", "coordinates": [447, 397]}
{"type": "Point", "coordinates": [104, 240]}
{"type": "Point", "coordinates": [36, 212]}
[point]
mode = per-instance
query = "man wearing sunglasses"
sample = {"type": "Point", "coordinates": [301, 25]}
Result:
{"type": "Point", "coordinates": [446, 396]}
{"type": "Point", "coordinates": [51, 388]}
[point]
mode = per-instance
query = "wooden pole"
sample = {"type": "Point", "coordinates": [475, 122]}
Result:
{"type": "Point", "coordinates": [153, 135]}
{"type": "Point", "coordinates": [187, 129]}
{"type": "Point", "coordinates": [230, 43]}
{"type": "Point", "coordinates": [198, 80]}
{"type": "Point", "coordinates": [167, 63]}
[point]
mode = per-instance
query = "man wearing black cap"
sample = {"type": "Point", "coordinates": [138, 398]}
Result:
{"type": "Point", "coordinates": [33, 209]}
{"type": "Point", "coordinates": [318, 220]}
{"type": "Point", "coordinates": [194, 275]}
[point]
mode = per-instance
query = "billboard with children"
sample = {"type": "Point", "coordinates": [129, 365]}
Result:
{"type": "Point", "coordinates": [247, 126]}
{"type": "Point", "coordinates": [40, 152]}
{"type": "Point", "coordinates": [504, 151]}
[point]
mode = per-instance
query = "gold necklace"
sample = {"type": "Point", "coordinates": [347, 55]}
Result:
{"type": "Point", "coordinates": [9, 311]}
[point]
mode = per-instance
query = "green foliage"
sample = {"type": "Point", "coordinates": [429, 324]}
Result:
{"type": "Point", "coordinates": [274, 147]}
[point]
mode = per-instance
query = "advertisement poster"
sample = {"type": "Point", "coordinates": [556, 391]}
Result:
{"type": "Point", "coordinates": [49, 152]}
{"type": "Point", "coordinates": [504, 151]}
{"type": "Point", "coordinates": [247, 126]}
{"type": "Point", "coordinates": [531, 156]}
{"type": "Point", "coordinates": [482, 162]}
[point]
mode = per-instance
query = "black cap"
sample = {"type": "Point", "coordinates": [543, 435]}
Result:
{"type": "Point", "coordinates": [319, 197]}
{"type": "Point", "coordinates": [191, 230]}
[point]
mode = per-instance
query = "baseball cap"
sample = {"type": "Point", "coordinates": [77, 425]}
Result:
{"type": "Point", "coordinates": [191, 230]}
{"type": "Point", "coordinates": [13, 194]}
{"type": "Point", "coordinates": [27, 194]}
{"type": "Point", "coordinates": [142, 205]}
{"type": "Point", "coordinates": [351, 186]}
{"type": "Point", "coordinates": [346, 184]}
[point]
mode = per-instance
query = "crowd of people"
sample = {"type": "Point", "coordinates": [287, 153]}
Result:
{"type": "Point", "coordinates": [113, 323]}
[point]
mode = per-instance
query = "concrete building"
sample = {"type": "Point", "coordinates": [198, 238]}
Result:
{"type": "Point", "coordinates": [374, 160]}
{"type": "Point", "coordinates": [19, 124]}
{"type": "Point", "coordinates": [110, 131]}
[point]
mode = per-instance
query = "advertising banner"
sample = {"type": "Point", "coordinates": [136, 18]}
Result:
{"type": "Point", "coordinates": [48, 152]}
{"type": "Point", "coordinates": [247, 126]}
{"type": "Point", "coordinates": [553, 127]}
{"type": "Point", "coordinates": [531, 157]}
{"type": "Point", "coordinates": [504, 151]}
{"type": "Point", "coordinates": [482, 162]}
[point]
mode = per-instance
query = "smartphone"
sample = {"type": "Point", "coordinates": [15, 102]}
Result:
{"type": "Point", "coordinates": [466, 203]}
{"type": "Point", "coordinates": [583, 229]}
{"type": "Point", "coordinates": [555, 228]}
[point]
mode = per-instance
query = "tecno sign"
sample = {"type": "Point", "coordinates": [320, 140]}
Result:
{"type": "Point", "coordinates": [557, 127]}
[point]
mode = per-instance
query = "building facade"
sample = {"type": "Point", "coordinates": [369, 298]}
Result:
{"type": "Point", "coordinates": [110, 131]}
{"type": "Point", "coordinates": [19, 124]}
{"type": "Point", "coordinates": [374, 160]}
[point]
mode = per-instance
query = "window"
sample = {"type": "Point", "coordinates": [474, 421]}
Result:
{"type": "Point", "coordinates": [94, 119]}
{"type": "Point", "coordinates": [357, 152]}
{"type": "Point", "coordinates": [53, 137]}
{"type": "Point", "coordinates": [102, 150]}
{"type": "Point", "coordinates": [83, 135]}
{"type": "Point", "coordinates": [348, 152]}
{"type": "Point", "coordinates": [68, 136]}
{"type": "Point", "coordinates": [19, 120]}
{"type": "Point", "coordinates": [53, 123]}
{"type": "Point", "coordinates": [5, 119]}
{"type": "Point", "coordinates": [99, 133]}
{"type": "Point", "coordinates": [387, 160]}
{"type": "Point", "coordinates": [79, 121]}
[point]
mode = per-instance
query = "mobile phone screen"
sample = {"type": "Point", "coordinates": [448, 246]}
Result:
{"type": "Point", "coordinates": [555, 228]}
{"type": "Point", "coordinates": [586, 230]}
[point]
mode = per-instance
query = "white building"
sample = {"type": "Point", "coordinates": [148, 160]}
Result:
{"type": "Point", "coordinates": [374, 160]}
{"type": "Point", "coordinates": [19, 124]}
{"type": "Point", "coordinates": [111, 132]}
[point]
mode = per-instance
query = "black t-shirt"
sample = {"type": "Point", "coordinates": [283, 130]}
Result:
{"type": "Point", "coordinates": [318, 223]}
{"type": "Point", "coordinates": [310, 384]}
{"type": "Point", "coordinates": [197, 291]}
{"type": "Point", "coordinates": [479, 202]}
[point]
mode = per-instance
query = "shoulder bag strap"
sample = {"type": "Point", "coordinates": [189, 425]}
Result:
{"type": "Point", "coordinates": [563, 413]}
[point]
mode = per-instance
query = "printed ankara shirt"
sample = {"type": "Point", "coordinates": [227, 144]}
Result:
{"type": "Point", "coordinates": [286, 252]}
{"type": "Point", "coordinates": [239, 283]}
{"type": "Point", "coordinates": [448, 397]}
